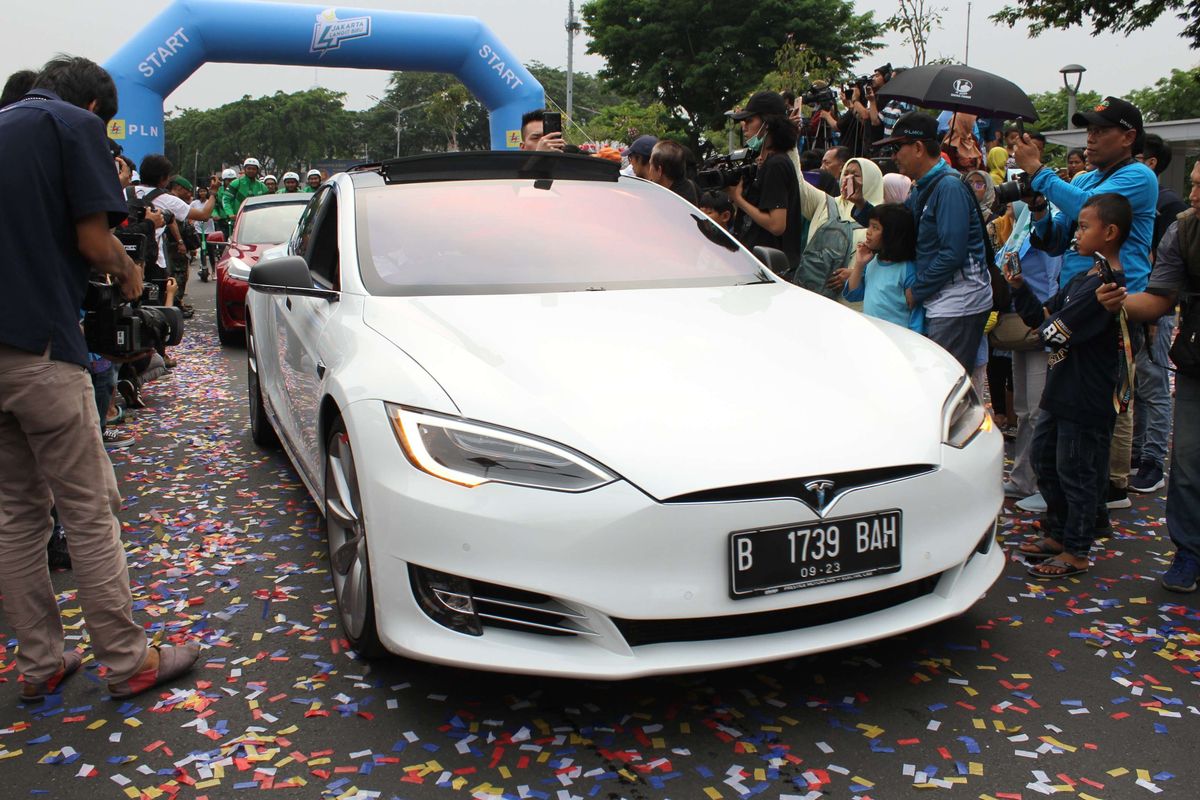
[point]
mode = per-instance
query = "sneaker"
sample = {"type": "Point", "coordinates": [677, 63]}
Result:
{"type": "Point", "coordinates": [58, 556]}
{"type": "Point", "coordinates": [116, 439]}
{"type": "Point", "coordinates": [1012, 490]}
{"type": "Point", "coordinates": [1181, 577]}
{"type": "Point", "coordinates": [1035, 503]}
{"type": "Point", "coordinates": [1149, 478]}
{"type": "Point", "coordinates": [1135, 463]}
{"type": "Point", "coordinates": [130, 394]}
{"type": "Point", "coordinates": [1117, 497]}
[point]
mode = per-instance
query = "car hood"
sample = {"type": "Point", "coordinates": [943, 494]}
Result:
{"type": "Point", "coordinates": [681, 390]}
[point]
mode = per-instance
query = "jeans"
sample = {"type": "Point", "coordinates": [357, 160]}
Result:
{"type": "Point", "coordinates": [958, 336]}
{"type": "Point", "coordinates": [1183, 484]}
{"type": "Point", "coordinates": [103, 385]}
{"type": "Point", "coordinates": [1029, 381]}
{"type": "Point", "coordinates": [1152, 414]}
{"type": "Point", "coordinates": [1071, 461]}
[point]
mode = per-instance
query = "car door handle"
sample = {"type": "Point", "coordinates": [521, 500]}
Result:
{"type": "Point", "coordinates": [288, 303]}
{"type": "Point", "coordinates": [320, 369]}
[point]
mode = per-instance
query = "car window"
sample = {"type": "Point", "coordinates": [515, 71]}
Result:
{"type": "Point", "coordinates": [267, 223]}
{"type": "Point", "coordinates": [308, 222]}
{"type": "Point", "coordinates": [323, 253]}
{"type": "Point", "coordinates": [510, 236]}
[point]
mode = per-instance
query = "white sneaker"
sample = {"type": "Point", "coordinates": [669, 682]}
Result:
{"type": "Point", "coordinates": [1034, 503]}
{"type": "Point", "coordinates": [1012, 490]}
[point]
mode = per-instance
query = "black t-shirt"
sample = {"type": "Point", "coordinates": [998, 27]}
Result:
{"type": "Point", "coordinates": [1169, 206]}
{"type": "Point", "coordinates": [687, 190]}
{"type": "Point", "coordinates": [1085, 357]}
{"type": "Point", "coordinates": [775, 186]}
{"type": "Point", "coordinates": [854, 133]}
{"type": "Point", "coordinates": [61, 171]}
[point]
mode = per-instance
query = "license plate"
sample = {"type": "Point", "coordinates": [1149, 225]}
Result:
{"type": "Point", "coordinates": [813, 553]}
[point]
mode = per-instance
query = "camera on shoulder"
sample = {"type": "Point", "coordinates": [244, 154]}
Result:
{"type": "Point", "coordinates": [117, 328]}
{"type": "Point", "coordinates": [722, 171]}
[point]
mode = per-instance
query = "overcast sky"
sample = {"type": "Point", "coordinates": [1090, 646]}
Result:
{"type": "Point", "coordinates": [533, 29]}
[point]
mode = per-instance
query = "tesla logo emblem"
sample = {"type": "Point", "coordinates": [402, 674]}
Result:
{"type": "Point", "coordinates": [963, 87]}
{"type": "Point", "coordinates": [819, 488]}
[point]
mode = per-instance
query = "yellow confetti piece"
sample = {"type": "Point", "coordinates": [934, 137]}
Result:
{"type": "Point", "coordinates": [207, 784]}
{"type": "Point", "coordinates": [543, 757]}
{"type": "Point", "coordinates": [789, 721]}
{"type": "Point", "coordinates": [772, 728]}
{"type": "Point", "coordinates": [289, 729]}
{"type": "Point", "coordinates": [133, 791]}
{"type": "Point", "coordinates": [1058, 744]}
{"type": "Point", "coordinates": [712, 793]}
{"type": "Point", "coordinates": [870, 731]}
{"type": "Point", "coordinates": [1022, 676]}
{"type": "Point", "coordinates": [685, 727]}
{"type": "Point", "coordinates": [100, 723]}
{"type": "Point", "coordinates": [458, 783]}
{"type": "Point", "coordinates": [627, 775]}
{"type": "Point", "coordinates": [1143, 775]}
{"type": "Point", "coordinates": [505, 773]}
{"type": "Point", "coordinates": [257, 637]}
{"type": "Point", "coordinates": [283, 762]}
{"type": "Point", "coordinates": [760, 774]}
{"type": "Point", "coordinates": [316, 762]}
{"type": "Point", "coordinates": [974, 768]}
{"type": "Point", "coordinates": [862, 781]}
{"type": "Point", "coordinates": [133, 722]}
{"type": "Point", "coordinates": [1118, 772]}
{"type": "Point", "coordinates": [979, 724]}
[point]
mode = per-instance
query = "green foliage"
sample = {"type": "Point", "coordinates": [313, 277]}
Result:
{"type": "Point", "coordinates": [796, 67]}
{"type": "Point", "coordinates": [698, 57]}
{"type": "Point", "coordinates": [1115, 16]}
{"type": "Point", "coordinates": [1052, 108]}
{"type": "Point", "coordinates": [1173, 97]}
{"type": "Point", "coordinates": [625, 121]}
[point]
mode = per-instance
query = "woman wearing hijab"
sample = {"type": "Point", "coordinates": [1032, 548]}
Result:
{"type": "Point", "coordinates": [864, 173]}
{"type": "Point", "coordinates": [896, 187]}
{"type": "Point", "coordinates": [960, 143]}
{"type": "Point", "coordinates": [997, 164]}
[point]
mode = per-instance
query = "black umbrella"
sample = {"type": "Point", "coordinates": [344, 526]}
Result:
{"type": "Point", "coordinates": [957, 87]}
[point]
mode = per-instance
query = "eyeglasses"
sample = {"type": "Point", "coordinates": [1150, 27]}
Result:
{"type": "Point", "coordinates": [978, 184]}
{"type": "Point", "coordinates": [1099, 130]}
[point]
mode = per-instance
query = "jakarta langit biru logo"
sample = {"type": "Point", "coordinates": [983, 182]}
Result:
{"type": "Point", "coordinates": [963, 87]}
{"type": "Point", "coordinates": [330, 32]}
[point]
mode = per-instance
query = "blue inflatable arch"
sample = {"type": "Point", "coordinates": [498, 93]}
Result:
{"type": "Point", "coordinates": [189, 33]}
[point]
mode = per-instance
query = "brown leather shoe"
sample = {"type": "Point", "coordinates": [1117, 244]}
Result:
{"type": "Point", "coordinates": [33, 692]}
{"type": "Point", "coordinates": [172, 662]}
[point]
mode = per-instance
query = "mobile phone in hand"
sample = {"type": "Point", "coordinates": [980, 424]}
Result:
{"type": "Point", "coordinates": [1106, 273]}
{"type": "Point", "coordinates": [1013, 262]}
{"type": "Point", "coordinates": [551, 123]}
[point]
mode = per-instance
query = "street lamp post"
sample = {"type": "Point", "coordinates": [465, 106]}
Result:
{"type": "Point", "coordinates": [1068, 72]}
{"type": "Point", "coordinates": [398, 111]}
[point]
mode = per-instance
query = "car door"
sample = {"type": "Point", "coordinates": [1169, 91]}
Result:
{"type": "Point", "coordinates": [304, 320]}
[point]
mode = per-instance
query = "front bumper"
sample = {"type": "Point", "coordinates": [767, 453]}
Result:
{"type": "Point", "coordinates": [625, 568]}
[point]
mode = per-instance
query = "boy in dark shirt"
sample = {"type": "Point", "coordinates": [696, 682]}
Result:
{"type": "Point", "coordinates": [1087, 382]}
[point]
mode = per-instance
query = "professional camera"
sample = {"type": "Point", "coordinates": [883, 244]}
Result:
{"type": "Point", "coordinates": [862, 83]}
{"type": "Point", "coordinates": [721, 171]}
{"type": "Point", "coordinates": [1013, 190]}
{"type": "Point", "coordinates": [820, 96]}
{"type": "Point", "coordinates": [113, 327]}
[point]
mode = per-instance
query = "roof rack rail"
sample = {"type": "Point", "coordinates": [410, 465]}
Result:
{"type": "Point", "coordinates": [494, 164]}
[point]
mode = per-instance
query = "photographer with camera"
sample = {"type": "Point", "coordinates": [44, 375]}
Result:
{"type": "Point", "coordinates": [821, 127]}
{"type": "Point", "coordinates": [769, 206]}
{"type": "Point", "coordinates": [854, 125]}
{"type": "Point", "coordinates": [1114, 137]}
{"type": "Point", "coordinates": [62, 197]}
{"type": "Point", "coordinates": [884, 119]}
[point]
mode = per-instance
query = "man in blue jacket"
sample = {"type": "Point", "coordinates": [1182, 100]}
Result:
{"type": "Point", "coordinates": [1114, 138]}
{"type": "Point", "coordinates": [952, 278]}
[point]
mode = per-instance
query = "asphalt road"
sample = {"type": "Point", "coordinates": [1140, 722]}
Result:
{"type": "Point", "coordinates": [1086, 688]}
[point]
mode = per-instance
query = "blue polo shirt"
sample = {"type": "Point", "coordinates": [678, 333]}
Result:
{"type": "Point", "coordinates": [1136, 182]}
{"type": "Point", "coordinates": [59, 172]}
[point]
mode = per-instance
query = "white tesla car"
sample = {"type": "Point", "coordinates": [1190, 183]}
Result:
{"type": "Point", "coordinates": [559, 423]}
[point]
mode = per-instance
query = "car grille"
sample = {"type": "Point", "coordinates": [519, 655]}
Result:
{"type": "Point", "coordinates": [514, 609]}
{"type": "Point", "coordinates": [638, 632]}
{"type": "Point", "coordinates": [794, 488]}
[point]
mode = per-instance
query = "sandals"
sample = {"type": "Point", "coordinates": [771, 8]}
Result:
{"type": "Point", "coordinates": [33, 692]}
{"type": "Point", "coordinates": [1040, 553]}
{"type": "Point", "coordinates": [172, 662]}
{"type": "Point", "coordinates": [1067, 569]}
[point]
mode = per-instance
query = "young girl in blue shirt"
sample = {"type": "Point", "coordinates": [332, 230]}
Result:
{"type": "Point", "coordinates": [883, 267]}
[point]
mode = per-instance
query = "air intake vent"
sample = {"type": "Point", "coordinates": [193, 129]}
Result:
{"type": "Point", "coordinates": [703, 629]}
{"type": "Point", "coordinates": [797, 488]}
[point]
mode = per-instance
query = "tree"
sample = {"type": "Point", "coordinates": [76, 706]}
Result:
{"type": "Point", "coordinates": [1174, 97]}
{"type": "Point", "coordinates": [917, 20]}
{"type": "Point", "coordinates": [1116, 16]}
{"type": "Point", "coordinates": [626, 121]}
{"type": "Point", "coordinates": [1052, 108]}
{"type": "Point", "coordinates": [698, 57]}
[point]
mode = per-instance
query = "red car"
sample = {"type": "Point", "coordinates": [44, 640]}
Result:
{"type": "Point", "coordinates": [262, 223]}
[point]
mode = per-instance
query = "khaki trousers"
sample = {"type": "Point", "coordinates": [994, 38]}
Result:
{"type": "Point", "coordinates": [1122, 449]}
{"type": "Point", "coordinates": [51, 453]}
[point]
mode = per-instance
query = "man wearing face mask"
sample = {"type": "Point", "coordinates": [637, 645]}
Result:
{"type": "Point", "coordinates": [769, 209]}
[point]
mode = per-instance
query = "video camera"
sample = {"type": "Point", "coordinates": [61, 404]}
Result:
{"type": "Point", "coordinates": [721, 171]}
{"type": "Point", "coordinates": [862, 83]}
{"type": "Point", "coordinates": [114, 327]}
{"type": "Point", "coordinates": [820, 96]}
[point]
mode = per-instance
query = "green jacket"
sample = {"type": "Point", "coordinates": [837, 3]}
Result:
{"type": "Point", "coordinates": [224, 208]}
{"type": "Point", "coordinates": [244, 187]}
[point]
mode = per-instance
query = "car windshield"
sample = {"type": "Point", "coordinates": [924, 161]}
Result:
{"type": "Point", "coordinates": [269, 223]}
{"type": "Point", "coordinates": [522, 236]}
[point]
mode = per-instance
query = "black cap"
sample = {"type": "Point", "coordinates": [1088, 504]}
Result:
{"type": "Point", "coordinates": [642, 146]}
{"type": "Point", "coordinates": [912, 127]}
{"type": "Point", "coordinates": [1112, 112]}
{"type": "Point", "coordinates": [762, 103]}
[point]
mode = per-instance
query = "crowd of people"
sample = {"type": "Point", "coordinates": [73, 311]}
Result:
{"type": "Point", "coordinates": [1055, 289]}
{"type": "Point", "coordinates": [955, 227]}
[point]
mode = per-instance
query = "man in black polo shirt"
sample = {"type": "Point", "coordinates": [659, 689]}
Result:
{"type": "Point", "coordinates": [58, 201]}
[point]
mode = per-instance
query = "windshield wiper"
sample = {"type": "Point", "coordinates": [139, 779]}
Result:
{"type": "Point", "coordinates": [715, 234]}
{"type": "Point", "coordinates": [761, 277]}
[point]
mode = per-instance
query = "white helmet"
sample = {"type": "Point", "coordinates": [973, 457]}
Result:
{"type": "Point", "coordinates": [291, 176]}
{"type": "Point", "coordinates": [270, 178]}
{"type": "Point", "coordinates": [312, 172]}
{"type": "Point", "coordinates": [230, 174]}
{"type": "Point", "coordinates": [251, 162]}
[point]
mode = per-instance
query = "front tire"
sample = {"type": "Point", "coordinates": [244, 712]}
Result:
{"type": "Point", "coordinates": [261, 432]}
{"type": "Point", "coordinates": [349, 563]}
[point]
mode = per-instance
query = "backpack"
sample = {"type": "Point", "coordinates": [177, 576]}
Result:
{"type": "Point", "coordinates": [829, 248]}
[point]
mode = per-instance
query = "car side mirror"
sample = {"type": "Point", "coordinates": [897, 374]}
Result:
{"type": "Point", "coordinates": [287, 275]}
{"type": "Point", "coordinates": [775, 260]}
{"type": "Point", "coordinates": [216, 243]}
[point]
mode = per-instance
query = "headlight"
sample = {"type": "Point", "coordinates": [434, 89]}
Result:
{"type": "Point", "coordinates": [471, 454]}
{"type": "Point", "coordinates": [963, 416]}
{"type": "Point", "coordinates": [238, 270]}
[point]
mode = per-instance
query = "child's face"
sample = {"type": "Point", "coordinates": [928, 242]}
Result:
{"type": "Point", "coordinates": [874, 236]}
{"type": "Point", "coordinates": [1092, 235]}
{"type": "Point", "coordinates": [720, 219]}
